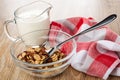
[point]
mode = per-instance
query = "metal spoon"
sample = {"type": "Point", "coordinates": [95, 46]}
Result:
{"type": "Point", "coordinates": [100, 24]}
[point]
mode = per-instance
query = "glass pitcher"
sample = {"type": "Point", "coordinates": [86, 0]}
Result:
{"type": "Point", "coordinates": [28, 18]}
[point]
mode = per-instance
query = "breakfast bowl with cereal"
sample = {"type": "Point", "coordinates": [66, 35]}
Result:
{"type": "Point", "coordinates": [30, 52]}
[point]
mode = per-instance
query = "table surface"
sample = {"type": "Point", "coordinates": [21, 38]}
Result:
{"type": "Point", "coordinates": [97, 9]}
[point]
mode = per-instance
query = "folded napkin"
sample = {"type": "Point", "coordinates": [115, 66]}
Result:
{"type": "Point", "coordinates": [98, 51]}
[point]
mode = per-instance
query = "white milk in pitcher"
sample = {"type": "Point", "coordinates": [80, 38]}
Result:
{"type": "Point", "coordinates": [32, 21]}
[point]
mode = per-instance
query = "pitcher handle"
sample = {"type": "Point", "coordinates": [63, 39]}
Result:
{"type": "Point", "coordinates": [6, 23]}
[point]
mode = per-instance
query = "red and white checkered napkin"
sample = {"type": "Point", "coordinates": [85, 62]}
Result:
{"type": "Point", "coordinates": [98, 51]}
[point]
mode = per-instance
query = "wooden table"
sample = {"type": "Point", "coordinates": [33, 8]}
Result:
{"type": "Point", "coordinates": [97, 9]}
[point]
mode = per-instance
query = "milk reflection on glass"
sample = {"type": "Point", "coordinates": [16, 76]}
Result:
{"type": "Point", "coordinates": [28, 18]}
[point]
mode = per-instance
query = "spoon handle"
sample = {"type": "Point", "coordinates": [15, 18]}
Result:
{"type": "Point", "coordinates": [100, 24]}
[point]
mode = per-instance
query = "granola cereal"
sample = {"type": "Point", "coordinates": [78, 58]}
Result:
{"type": "Point", "coordinates": [38, 55]}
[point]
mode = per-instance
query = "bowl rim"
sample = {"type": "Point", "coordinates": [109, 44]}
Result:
{"type": "Point", "coordinates": [46, 64]}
